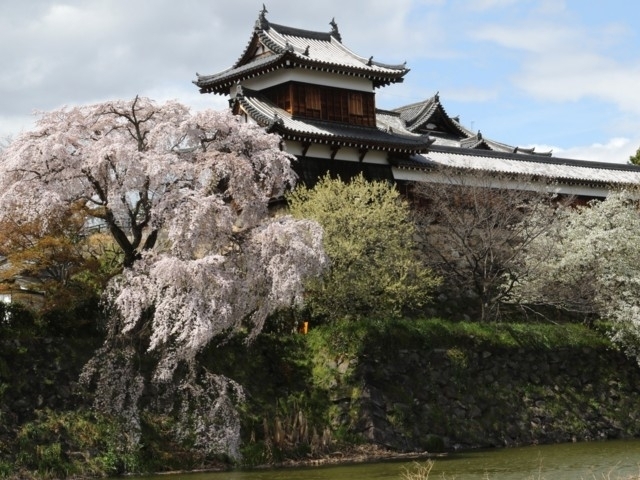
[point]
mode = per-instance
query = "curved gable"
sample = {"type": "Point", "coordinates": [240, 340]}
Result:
{"type": "Point", "coordinates": [430, 116]}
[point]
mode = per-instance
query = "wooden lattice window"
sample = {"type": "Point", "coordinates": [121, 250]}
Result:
{"type": "Point", "coordinates": [281, 95]}
{"type": "Point", "coordinates": [313, 100]}
{"type": "Point", "coordinates": [355, 104]}
{"type": "Point", "coordinates": [324, 103]}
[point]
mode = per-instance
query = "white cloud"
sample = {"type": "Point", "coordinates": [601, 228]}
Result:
{"type": "Point", "coordinates": [552, 7]}
{"type": "Point", "coordinates": [470, 94]}
{"type": "Point", "coordinates": [13, 125]}
{"type": "Point", "coordinates": [192, 97]}
{"type": "Point", "coordinates": [480, 5]}
{"type": "Point", "coordinates": [573, 77]}
{"type": "Point", "coordinates": [66, 22]}
{"type": "Point", "coordinates": [616, 150]}
{"type": "Point", "coordinates": [523, 54]}
{"type": "Point", "coordinates": [537, 38]}
{"type": "Point", "coordinates": [564, 61]}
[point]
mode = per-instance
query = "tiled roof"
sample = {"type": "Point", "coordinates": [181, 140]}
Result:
{"type": "Point", "coordinates": [418, 115]}
{"type": "Point", "coordinates": [552, 168]}
{"type": "Point", "coordinates": [322, 48]}
{"type": "Point", "coordinates": [278, 120]}
{"type": "Point", "coordinates": [390, 121]}
{"type": "Point", "coordinates": [301, 48]}
{"type": "Point", "coordinates": [475, 141]}
{"type": "Point", "coordinates": [222, 81]}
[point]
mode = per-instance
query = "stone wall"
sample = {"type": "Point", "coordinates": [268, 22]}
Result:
{"type": "Point", "coordinates": [435, 399]}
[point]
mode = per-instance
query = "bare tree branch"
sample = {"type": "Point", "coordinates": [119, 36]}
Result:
{"type": "Point", "coordinates": [475, 231]}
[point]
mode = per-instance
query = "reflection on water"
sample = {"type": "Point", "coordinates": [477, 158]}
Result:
{"type": "Point", "coordinates": [608, 460]}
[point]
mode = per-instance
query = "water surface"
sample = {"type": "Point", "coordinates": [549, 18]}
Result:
{"type": "Point", "coordinates": [607, 460]}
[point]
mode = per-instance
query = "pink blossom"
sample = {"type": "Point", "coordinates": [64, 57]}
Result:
{"type": "Point", "coordinates": [186, 198]}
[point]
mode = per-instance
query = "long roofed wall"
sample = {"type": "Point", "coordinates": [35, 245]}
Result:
{"type": "Point", "coordinates": [316, 93]}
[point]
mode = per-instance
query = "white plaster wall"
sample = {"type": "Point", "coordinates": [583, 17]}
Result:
{"type": "Point", "coordinates": [345, 153]}
{"type": "Point", "coordinates": [564, 189]}
{"type": "Point", "coordinates": [308, 76]}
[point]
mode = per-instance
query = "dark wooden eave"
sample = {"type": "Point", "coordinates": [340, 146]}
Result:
{"type": "Point", "coordinates": [309, 131]}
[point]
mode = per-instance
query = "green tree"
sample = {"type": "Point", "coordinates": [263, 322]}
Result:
{"type": "Point", "coordinates": [369, 238]}
{"type": "Point", "coordinates": [635, 159]}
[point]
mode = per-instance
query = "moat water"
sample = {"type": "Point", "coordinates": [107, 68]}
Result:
{"type": "Point", "coordinates": [606, 460]}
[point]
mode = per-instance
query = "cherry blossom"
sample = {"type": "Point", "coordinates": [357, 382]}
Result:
{"type": "Point", "coordinates": [186, 198]}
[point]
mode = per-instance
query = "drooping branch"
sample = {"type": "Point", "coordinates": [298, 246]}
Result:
{"type": "Point", "coordinates": [224, 264]}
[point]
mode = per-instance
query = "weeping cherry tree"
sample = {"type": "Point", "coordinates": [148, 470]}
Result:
{"type": "Point", "coordinates": [185, 197]}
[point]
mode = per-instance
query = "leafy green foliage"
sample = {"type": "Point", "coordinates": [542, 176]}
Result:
{"type": "Point", "coordinates": [373, 338]}
{"type": "Point", "coordinates": [369, 239]}
{"type": "Point", "coordinates": [50, 445]}
{"type": "Point", "coordinates": [418, 368]}
{"type": "Point", "coordinates": [285, 414]}
{"type": "Point", "coordinates": [292, 383]}
{"type": "Point", "coordinates": [635, 159]}
{"type": "Point", "coordinates": [41, 355]}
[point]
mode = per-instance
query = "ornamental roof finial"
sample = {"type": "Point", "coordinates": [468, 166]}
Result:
{"type": "Point", "coordinates": [276, 120]}
{"type": "Point", "coordinates": [262, 21]}
{"type": "Point", "coordinates": [334, 30]}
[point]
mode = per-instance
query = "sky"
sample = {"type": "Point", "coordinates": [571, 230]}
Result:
{"type": "Point", "coordinates": [561, 75]}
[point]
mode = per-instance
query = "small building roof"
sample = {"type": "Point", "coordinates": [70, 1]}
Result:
{"type": "Point", "coordinates": [430, 116]}
{"type": "Point", "coordinates": [274, 46]}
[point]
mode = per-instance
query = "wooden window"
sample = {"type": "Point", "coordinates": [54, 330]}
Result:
{"type": "Point", "coordinates": [284, 98]}
{"type": "Point", "coordinates": [313, 100]}
{"type": "Point", "coordinates": [355, 104]}
{"type": "Point", "coordinates": [281, 95]}
{"type": "Point", "coordinates": [336, 106]}
{"type": "Point", "coordinates": [324, 103]}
